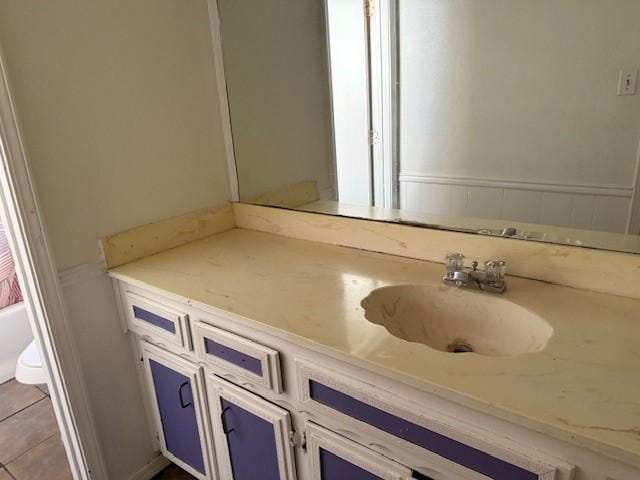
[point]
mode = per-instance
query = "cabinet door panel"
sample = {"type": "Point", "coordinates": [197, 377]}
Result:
{"type": "Point", "coordinates": [177, 401]}
{"type": "Point", "coordinates": [177, 414]}
{"type": "Point", "coordinates": [332, 467]}
{"type": "Point", "coordinates": [334, 457]}
{"type": "Point", "coordinates": [252, 434]}
{"type": "Point", "coordinates": [252, 444]}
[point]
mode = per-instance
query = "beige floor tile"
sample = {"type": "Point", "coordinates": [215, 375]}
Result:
{"type": "Point", "coordinates": [26, 429]}
{"type": "Point", "coordinates": [47, 460]}
{"type": "Point", "coordinates": [172, 472]}
{"type": "Point", "coordinates": [15, 396]}
{"type": "Point", "coordinates": [4, 475]}
{"type": "Point", "coordinates": [43, 388]}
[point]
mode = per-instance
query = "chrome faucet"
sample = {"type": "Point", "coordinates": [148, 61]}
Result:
{"type": "Point", "coordinates": [491, 280]}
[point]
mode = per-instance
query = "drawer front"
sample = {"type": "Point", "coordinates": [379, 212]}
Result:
{"type": "Point", "coordinates": [225, 353]}
{"type": "Point", "coordinates": [238, 356]}
{"type": "Point", "coordinates": [140, 313]}
{"type": "Point", "coordinates": [146, 316]}
{"type": "Point", "coordinates": [328, 393]}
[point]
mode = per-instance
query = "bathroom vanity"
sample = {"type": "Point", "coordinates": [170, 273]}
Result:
{"type": "Point", "coordinates": [274, 343]}
{"type": "Point", "coordinates": [259, 361]}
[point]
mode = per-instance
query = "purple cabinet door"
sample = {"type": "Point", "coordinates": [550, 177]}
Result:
{"type": "Point", "coordinates": [178, 416]}
{"type": "Point", "coordinates": [333, 467]}
{"type": "Point", "coordinates": [252, 444]}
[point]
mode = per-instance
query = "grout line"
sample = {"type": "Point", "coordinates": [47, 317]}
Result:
{"type": "Point", "coordinates": [46, 392]}
{"type": "Point", "coordinates": [23, 409]}
{"type": "Point", "coordinates": [10, 474]}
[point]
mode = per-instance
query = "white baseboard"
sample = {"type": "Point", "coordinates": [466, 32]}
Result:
{"type": "Point", "coordinates": [151, 469]}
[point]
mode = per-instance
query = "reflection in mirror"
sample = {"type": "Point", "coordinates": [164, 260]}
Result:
{"type": "Point", "coordinates": [516, 118]}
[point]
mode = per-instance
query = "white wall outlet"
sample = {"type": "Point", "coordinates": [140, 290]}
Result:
{"type": "Point", "coordinates": [628, 82]}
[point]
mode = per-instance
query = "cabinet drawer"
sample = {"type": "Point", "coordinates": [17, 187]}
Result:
{"type": "Point", "coordinates": [328, 393]}
{"type": "Point", "coordinates": [334, 457]}
{"type": "Point", "coordinates": [162, 323]}
{"type": "Point", "coordinates": [237, 355]}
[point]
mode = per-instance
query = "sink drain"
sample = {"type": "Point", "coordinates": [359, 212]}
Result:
{"type": "Point", "coordinates": [459, 346]}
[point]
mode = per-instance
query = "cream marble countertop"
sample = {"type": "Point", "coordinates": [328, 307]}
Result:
{"type": "Point", "coordinates": [584, 387]}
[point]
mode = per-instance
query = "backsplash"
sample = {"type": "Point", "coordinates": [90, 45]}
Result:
{"type": "Point", "coordinates": [579, 267]}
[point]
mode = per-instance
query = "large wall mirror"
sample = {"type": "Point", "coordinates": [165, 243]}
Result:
{"type": "Point", "coordinates": [516, 118]}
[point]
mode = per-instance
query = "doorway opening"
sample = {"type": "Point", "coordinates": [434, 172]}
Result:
{"type": "Point", "coordinates": [362, 46]}
{"type": "Point", "coordinates": [30, 441]}
{"type": "Point", "coordinates": [60, 411]}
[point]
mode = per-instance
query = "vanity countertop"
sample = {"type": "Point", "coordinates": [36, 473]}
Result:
{"type": "Point", "coordinates": [584, 387]}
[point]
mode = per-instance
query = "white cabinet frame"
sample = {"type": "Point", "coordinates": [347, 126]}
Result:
{"type": "Point", "coordinates": [196, 377]}
{"type": "Point", "coordinates": [320, 438]}
{"type": "Point", "coordinates": [219, 389]}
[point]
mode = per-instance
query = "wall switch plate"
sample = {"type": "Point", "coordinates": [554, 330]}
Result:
{"type": "Point", "coordinates": [628, 82]}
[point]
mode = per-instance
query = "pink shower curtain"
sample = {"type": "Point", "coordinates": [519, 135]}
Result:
{"type": "Point", "coordinates": [9, 288]}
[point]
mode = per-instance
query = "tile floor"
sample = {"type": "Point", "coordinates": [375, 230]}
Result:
{"type": "Point", "coordinates": [30, 445]}
{"type": "Point", "coordinates": [172, 472]}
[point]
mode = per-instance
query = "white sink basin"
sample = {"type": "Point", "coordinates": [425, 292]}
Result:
{"type": "Point", "coordinates": [458, 321]}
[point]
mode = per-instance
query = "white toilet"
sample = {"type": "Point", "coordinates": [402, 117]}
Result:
{"type": "Point", "coordinates": [29, 368]}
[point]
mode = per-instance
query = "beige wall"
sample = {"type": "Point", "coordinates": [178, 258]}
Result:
{"type": "Point", "coordinates": [275, 61]}
{"type": "Point", "coordinates": [520, 90]}
{"type": "Point", "coordinates": [117, 103]}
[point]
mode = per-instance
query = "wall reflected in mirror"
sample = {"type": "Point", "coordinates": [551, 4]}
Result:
{"type": "Point", "coordinates": [517, 118]}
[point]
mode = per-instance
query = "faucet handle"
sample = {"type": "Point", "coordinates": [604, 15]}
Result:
{"type": "Point", "coordinates": [495, 270]}
{"type": "Point", "coordinates": [454, 262]}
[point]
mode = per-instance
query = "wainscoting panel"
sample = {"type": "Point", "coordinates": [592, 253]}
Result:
{"type": "Point", "coordinates": [607, 213]}
{"type": "Point", "coordinates": [108, 366]}
{"type": "Point", "coordinates": [521, 205]}
{"type": "Point", "coordinates": [584, 207]}
{"type": "Point", "coordinates": [557, 208]}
